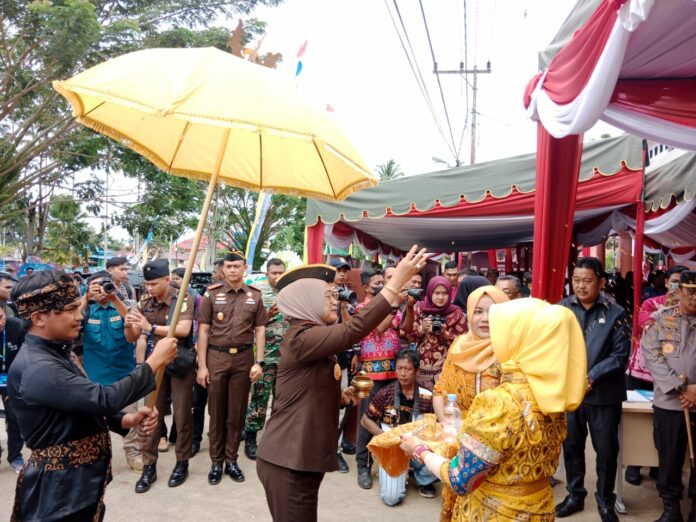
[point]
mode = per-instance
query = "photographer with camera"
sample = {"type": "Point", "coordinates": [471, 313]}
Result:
{"type": "Point", "coordinates": [108, 356]}
{"type": "Point", "coordinates": [434, 323]}
{"type": "Point", "coordinates": [377, 352]}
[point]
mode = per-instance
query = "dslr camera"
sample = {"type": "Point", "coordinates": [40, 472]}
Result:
{"type": "Point", "coordinates": [439, 323]}
{"type": "Point", "coordinates": [348, 296]}
{"type": "Point", "coordinates": [417, 293]}
{"type": "Point", "coordinates": [107, 285]}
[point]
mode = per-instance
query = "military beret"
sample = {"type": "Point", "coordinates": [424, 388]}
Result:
{"type": "Point", "coordinates": [156, 269]}
{"type": "Point", "coordinates": [323, 272]}
{"type": "Point", "coordinates": [235, 255]}
{"type": "Point", "coordinates": [688, 279]}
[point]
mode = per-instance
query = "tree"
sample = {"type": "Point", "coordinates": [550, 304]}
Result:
{"type": "Point", "coordinates": [70, 241]}
{"type": "Point", "coordinates": [389, 170]}
{"type": "Point", "coordinates": [40, 144]}
{"type": "Point", "coordinates": [233, 216]}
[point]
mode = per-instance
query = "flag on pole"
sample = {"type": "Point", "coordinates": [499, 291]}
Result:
{"type": "Point", "coordinates": [302, 50]}
{"type": "Point", "coordinates": [262, 205]}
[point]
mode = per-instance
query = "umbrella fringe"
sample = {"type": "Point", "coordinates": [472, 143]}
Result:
{"type": "Point", "coordinates": [162, 165]}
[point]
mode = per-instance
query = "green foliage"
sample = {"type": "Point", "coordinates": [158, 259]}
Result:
{"type": "Point", "coordinates": [40, 144]}
{"type": "Point", "coordinates": [389, 170]}
{"type": "Point", "coordinates": [69, 239]}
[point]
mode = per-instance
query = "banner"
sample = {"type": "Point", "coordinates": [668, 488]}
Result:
{"type": "Point", "coordinates": [262, 205]}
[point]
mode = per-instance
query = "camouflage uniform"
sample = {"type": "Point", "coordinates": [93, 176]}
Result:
{"type": "Point", "coordinates": [262, 389]}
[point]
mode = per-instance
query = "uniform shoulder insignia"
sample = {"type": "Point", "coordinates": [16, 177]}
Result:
{"type": "Point", "coordinates": [254, 288]}
{"type": "Point", "coordinates": [214, 286]}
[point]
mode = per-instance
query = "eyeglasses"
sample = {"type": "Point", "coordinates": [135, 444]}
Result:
{"type": "Point", "coordinates": [332, 294]}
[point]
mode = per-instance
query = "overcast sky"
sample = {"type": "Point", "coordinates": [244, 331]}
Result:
{"type": "Point", "coordinates": [354, 62]}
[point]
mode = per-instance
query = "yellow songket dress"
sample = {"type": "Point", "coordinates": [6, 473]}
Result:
{"type": "Point", "coordinates": [509, 451]}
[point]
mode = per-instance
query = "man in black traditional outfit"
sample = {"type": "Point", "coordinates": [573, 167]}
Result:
{"type": "Point", "coordinates": [64, 417]}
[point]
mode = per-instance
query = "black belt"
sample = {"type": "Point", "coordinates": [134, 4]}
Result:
{"type": "Point", "coordinates": [231, 349]}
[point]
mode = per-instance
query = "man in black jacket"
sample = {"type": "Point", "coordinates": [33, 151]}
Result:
{"type": "Point", "coordinates": [608, 342]}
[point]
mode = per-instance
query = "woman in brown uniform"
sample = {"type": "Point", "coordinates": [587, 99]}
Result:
{"type": "Point", "coordinates": [299, 444]}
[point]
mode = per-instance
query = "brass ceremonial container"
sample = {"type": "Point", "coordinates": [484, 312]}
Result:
{"type": "Point", "coordinates": [363, 385]}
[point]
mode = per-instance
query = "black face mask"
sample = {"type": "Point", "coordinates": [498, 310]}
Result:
{"type": "Point", "coordinates": [376, 289]}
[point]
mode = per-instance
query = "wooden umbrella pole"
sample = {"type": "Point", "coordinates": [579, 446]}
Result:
{"type": "Point", "coordinates": [183, 291]}
{"type": "Point", "coordinates": [690, 440]}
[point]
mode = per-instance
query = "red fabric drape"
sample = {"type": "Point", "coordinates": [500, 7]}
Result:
{"type": "Point", "coordinates": [557, 168]}
{"type": "Point", "coordinates": [508, 260]}
{"type": "Point", "coordinates": [315, 242]}
{"type": "Point", "coordinates": [671, 100]}
{"type": "Point", "coordinates": [638, 264]}
{"type": "Point", "coordinates": [586, 251]}
{"type": "Point", "coordinates": [492, 260]}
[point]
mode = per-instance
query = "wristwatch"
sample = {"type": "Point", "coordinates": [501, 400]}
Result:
{"type": "Point", "coordinates": [261, 363]}
{"type": "Point", "coordinates": [681, 388]}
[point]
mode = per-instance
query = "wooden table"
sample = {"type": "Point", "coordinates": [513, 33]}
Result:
{"type": "Point", "coordinates": [636, 446]}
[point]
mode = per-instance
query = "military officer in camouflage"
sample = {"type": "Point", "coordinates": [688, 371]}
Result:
{"type": "Point", "coordinates": [669, 346]}
{"type": "Point", "coordinates": [275, 330]}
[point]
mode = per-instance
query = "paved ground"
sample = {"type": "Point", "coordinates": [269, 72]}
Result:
{"type": "Point", "coordinates": [340, 498]}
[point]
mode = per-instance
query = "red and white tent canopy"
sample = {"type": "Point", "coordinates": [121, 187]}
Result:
{"type": "Point", "coordinates": [632, 64]}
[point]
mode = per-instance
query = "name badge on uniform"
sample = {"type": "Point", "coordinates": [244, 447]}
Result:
{"type": "Point", "coordinates": [115, 319]}
{"type": "Point", "coordinates": [93, 321]}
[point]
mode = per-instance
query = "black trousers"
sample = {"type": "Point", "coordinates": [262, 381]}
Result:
{"type": "Point", "coordinates": [669, 435]}
{"type": "Point", "coordinates": [14, 437]}
{"type": "Point", "coordinates": [292, 496]}
{"type": "Point", "coordinates": [362, 455]}
{"type": "Point", "coordinates": [603, 425]}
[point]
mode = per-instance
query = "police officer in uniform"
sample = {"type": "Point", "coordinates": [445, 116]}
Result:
{"type": "Point", "coordinates": [231, 316]}
{"type": "Point", "coordinates": [669, 346]}
{"type": "Point", "coordinates": [152, 322]}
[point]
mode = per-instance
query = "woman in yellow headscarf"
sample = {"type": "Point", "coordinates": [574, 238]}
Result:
{"type": "Point", "coordinates": [511, 436]}
{"type": "Point", "coordinates": [470, 367]}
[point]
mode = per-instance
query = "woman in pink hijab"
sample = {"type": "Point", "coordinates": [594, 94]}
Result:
{"type": "Point", "coordinates": [436, 324]}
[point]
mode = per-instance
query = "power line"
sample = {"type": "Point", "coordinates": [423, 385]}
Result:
{"type": "Point", "coordinates": [442, 94]}
{"type": "Point", "coordinates": [415, 69]}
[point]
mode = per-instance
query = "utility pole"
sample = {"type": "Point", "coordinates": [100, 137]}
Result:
{"type": "Point", "coordinates": [474, 89]}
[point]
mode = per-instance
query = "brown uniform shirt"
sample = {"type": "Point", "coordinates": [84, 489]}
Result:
{"type": "Point", "coordinates": [302, 431]}
{"type": "Point", "coordinates": [157, 314]}
{"type": "Point", "coordinates": [232, 314]}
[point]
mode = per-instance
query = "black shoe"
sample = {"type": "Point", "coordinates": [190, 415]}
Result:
{"type": "Point", "coordinates": [569, 506]}
{"type": "Point", "coordinates": [232, 469]}
{"type": "Point", "coordinates": [342, 464]}
{"type": "Point", "coordinates": [215, 474]}
{"type": "Point", "coordinates": [364, 478]}
{"type": "Point", "coordinates": [672, 513]}
{"type": "Point", "coordinates": [633, 475]}
{"type": "Point", "coordinates": [607, 514]}
{"type": "Point", "coordinates": [347, 448]}
{"type": "Point", "coordinates": [195, 448]}
{"type": "Point", "coordinates": [427, 491]}
{"type": "Point", "coordinates": [147, 478]}
{"type": "Point", "coordinates": [250, 446]}
{"type": "Point", "coordinates": [179, 474]}
{"type": "Point", "coordinates": [653, 473]}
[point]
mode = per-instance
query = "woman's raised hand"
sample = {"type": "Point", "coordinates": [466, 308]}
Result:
{"type": "Point", "coordinates": [410, 265]}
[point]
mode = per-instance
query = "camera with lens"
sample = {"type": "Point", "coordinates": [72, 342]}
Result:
{"type": "Point", "coordinates": [439, 323]}
{"type": "Point", "coordinates": [348, 296]}
{"type": "Point", "coordinates": [417, 293]}
{"type": "Point", "coordinates": [107, 285]}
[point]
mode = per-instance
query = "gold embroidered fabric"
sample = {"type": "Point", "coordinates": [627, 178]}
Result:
{"type": "Point", "coordinates": [386, 451]}
{"type": "Point", "coordinates": [508, 420]}
{"type": "Point", "coordinates": [466, 385]}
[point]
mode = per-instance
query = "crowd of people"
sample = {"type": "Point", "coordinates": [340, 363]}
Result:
{"type": "Point", "coordinates": [80, 353]}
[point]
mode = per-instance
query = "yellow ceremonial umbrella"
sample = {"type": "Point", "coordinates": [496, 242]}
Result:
{"type": "Point", "coordinates": [206, 114]}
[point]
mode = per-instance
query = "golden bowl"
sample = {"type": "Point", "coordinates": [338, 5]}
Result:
{"type": "Point", "coordinates": [363, 385]}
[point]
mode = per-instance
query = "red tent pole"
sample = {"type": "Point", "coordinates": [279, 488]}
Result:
{"type": "Point", "coordinates": [315, 242]}
{"type": "Point", "coordinates": [557, 168]}
{"type": "Point", "coordinates": [508, 261]}
{"type": "Point", "coordinates": [492, 260]}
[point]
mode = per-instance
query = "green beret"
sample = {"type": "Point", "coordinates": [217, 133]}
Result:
{"type": "Point", "coordinates": [156, 269]}
{"type": "Point", "coordinates": [323, 272]}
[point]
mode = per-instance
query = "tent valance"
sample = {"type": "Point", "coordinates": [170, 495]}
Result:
{"type": "Point", "coordinates": [475, 190]}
